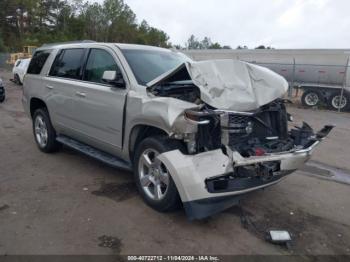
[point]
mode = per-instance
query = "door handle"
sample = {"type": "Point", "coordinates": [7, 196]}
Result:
{"type": "Point", "coordinates": [80, 94]}
{"type": "Point", "coordinates": [49, 87]}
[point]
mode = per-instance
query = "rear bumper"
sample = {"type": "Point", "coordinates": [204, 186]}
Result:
{"type": "Point", "coordinates": [192, 175]}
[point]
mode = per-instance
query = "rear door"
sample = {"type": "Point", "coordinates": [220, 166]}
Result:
{"type": "Point", "coordinates": [63, 79]}
{"type": "Point", "coordinates": [98, 106]}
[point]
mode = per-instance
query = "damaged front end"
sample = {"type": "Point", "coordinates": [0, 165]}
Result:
{"type": "Point", "coordinates": [259, 143]}
{"type": "Point", "coordinates": [232, 151]}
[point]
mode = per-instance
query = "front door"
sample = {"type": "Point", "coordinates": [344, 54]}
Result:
{"type": "Point", "coordinates": [98, 107]}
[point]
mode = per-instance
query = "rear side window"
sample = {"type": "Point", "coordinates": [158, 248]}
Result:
{"type": "Point", "coordinates": [68, 63]}
{"type": "Point", "coordinates": [99, 61]}
{"type": "Point", "coordinates": [38, 61]}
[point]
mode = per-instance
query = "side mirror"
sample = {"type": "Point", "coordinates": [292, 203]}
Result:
{"type": "Point", "coordinates": [111, 77]}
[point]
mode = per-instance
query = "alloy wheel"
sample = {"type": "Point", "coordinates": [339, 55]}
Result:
{"type": "Point", "coordinates": [153, 175]}
{"type": "Point", "coordinates": [40, 129]}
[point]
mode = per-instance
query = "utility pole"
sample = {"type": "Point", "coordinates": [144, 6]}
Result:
{"type": "Point", "coordinates": [344, 83]}
{"type": "Point", "coordinates": [290, 91]}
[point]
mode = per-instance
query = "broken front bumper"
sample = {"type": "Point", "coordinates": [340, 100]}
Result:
{"type": "Point", "coordinates": [194, 175]}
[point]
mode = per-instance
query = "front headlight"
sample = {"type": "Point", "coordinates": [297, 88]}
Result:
{"type": "Point", "coordinates": [199, 117]}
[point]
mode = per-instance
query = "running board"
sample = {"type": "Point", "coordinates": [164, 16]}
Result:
{"type": "Point", "coordinates": [95, 153]}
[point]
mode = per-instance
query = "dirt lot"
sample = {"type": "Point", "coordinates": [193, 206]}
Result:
{"type": "Point", "coordinates": [67, 203]}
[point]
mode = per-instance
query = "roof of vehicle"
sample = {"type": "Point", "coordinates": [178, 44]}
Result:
{"type": "Point", "coordinates": [25, 59]}
{"type": "Point", "coordinates": [87, 43]}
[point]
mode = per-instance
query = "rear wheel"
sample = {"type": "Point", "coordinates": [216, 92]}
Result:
{"type": "Point", "coordinates": [152, 177]}
{"type": "Point", "coordinates": [2, 94]}
{"type": "Point", "coordinates": [44, 133]}
{"type": "Point", "coordinates": [17, 79]}
{"type": "Point", "coordinates": [338, 101]}
{"type": "Point", "coordinates": [310, 98]}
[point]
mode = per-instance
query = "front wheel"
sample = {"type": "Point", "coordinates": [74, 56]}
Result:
{"type": "Point", "coordinates": [153, 179]}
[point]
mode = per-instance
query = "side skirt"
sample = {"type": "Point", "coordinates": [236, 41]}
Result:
{"type": "Point", "coordinates": [95, 153]}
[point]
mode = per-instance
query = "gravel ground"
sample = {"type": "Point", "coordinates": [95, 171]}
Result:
{"type": "Point", "coordinates": [67, 203]}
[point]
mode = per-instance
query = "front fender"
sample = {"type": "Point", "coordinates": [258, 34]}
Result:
{"type": "Point", "coordinates": [164, 113]}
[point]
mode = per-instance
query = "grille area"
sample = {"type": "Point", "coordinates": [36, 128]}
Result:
{"type": "Point", "coordinates": [239, 124]}
{"type": "Point", "coordinates": [235, 128]}
{"type": "Point", "coordinates": [242, 128]}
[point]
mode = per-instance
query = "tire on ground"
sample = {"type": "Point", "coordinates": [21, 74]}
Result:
{"type": "Point", "coordinates": [334, 100]}
{"type": "Point", "coordinates": [51, 145]}
{"type": "Point", "coordinates": [17, 79]}
{"type": "Point", "coordinates": [311, 98]}
{"type": "Point", "coordinates": [171, 200]}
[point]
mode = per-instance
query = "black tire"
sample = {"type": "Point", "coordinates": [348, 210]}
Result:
{"type": "Point", "coordinates": [171, 200]}
{"type": "Point", "coordinates": [309, 93]}
{"type": "Point", "coordinates": [3, 95]}
{"type": "Point", "coordinates": [17, 79]}
{"type": "Point", "coordinates": [336, 95]}
{"type": "Point", "coordinates": [51, 144]}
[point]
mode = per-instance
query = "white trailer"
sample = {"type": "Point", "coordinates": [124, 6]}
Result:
{"type": "Point", "coordinates": [321, 73]}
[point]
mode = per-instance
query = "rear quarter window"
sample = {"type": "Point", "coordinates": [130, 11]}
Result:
{"type": "Point", "coordinates": [38, 61]}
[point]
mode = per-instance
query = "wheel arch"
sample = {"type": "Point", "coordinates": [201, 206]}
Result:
{"type": "Point", "coordinates": [139, 132]}
{"type": "Point", "coordinates": [36, 103]}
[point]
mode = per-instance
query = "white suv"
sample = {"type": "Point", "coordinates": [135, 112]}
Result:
{"type": "Point", "coordinates": [197, 133]}
{"type": "Point", "coordinates": [20, 69]}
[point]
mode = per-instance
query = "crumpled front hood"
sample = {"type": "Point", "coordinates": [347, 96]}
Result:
{"type": "Point", "coordinates": [232, 84]}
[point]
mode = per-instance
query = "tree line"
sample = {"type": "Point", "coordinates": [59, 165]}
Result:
{"type": "Point", "coordinates": [206, 43]}
{"type": "Point", "coordinates": [34, 22]}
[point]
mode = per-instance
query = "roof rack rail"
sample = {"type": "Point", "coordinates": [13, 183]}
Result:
{"type": "Point", "coordinates": [69, 42]}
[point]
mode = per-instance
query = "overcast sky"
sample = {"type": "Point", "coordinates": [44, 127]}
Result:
{"type": "Point", "coordinates": [279, 23]}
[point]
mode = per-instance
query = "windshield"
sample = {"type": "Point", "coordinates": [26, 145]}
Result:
{"type": "Point", "coordinates": [149, 64]}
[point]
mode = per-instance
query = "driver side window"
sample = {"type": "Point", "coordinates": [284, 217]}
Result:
{"type": "Point", "coordinates": [98, 62]}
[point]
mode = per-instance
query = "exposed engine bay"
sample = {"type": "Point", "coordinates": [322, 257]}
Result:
{"type": "Point", "coordinates": [250, 133]}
